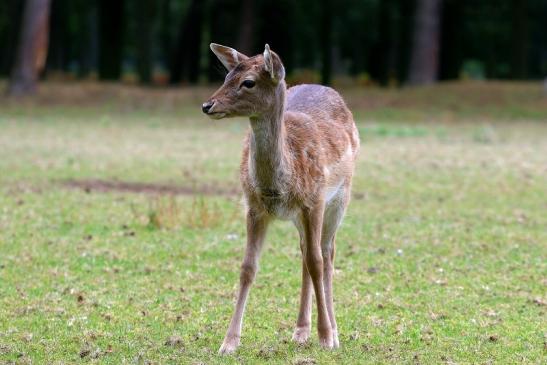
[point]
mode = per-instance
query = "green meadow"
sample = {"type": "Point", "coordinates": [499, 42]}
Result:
{"type": "Point", "coordinates": [122, 231]}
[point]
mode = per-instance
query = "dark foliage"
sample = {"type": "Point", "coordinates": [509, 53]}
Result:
{"type": "Point", "coordinates": [167, 40]}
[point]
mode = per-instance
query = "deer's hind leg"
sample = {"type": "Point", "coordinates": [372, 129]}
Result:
{"type": "Point", "coordinates": [334, 213]}
{"type": "Point", "coordinates": [312, 222]}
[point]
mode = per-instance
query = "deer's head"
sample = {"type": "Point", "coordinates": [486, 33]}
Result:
{"type": "Point", "coordinates": [250, 86]}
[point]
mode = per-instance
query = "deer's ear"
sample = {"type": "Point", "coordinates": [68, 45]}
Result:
{"type": "Point", "coordinates": [273, 64]}
{"type": "Point", "coordinates": [268, 60]}
{"type": "Point", "coordinates": [228, 56]}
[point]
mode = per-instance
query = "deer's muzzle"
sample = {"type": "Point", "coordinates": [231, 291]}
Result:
{"type": "Point", "coordinates": [205, 107]}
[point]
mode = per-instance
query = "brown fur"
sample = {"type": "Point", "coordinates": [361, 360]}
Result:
{"type": "Point", "coordinates": [297, 163]}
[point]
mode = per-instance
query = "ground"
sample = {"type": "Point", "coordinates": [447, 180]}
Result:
{"type": "Point", "coordinates": [121, 231]}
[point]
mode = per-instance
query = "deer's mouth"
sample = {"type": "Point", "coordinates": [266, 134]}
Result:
{"type": "Point", "coordinates": [209, 109]}
{"type": "Point", "coordinates": [216, 115]}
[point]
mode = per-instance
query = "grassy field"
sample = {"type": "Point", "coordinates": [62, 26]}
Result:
{"type": "Point", "coordinates": [121, 231]}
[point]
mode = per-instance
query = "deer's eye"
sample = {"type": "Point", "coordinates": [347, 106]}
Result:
{"type": "Point", "coordinates": [248, 83]}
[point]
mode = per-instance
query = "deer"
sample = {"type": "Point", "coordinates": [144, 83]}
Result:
{"type": "Point", "coordinates": [297, 164]}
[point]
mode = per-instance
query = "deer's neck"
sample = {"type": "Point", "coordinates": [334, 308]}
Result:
{"type": "Point", "coordinates": [267, 159]}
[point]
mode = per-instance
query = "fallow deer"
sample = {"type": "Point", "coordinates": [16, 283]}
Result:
{"type": "Point", "coordinates": [297, 164]}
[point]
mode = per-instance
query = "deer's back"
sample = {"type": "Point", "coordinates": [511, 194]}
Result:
{"type": "Point", "coordinates": [329, 114]}
{"type": "Point", "coordinates": [320, 103]}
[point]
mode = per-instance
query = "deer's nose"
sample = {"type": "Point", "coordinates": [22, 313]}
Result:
{"type": "Point", "coordinates": [206, 106]}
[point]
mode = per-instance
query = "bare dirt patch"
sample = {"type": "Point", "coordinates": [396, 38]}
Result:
{"type": "Point", "coordinates": [97, 185]}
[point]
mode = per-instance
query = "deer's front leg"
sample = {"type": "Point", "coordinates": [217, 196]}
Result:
{"type": "Point", "coordinates": [313, 221]}
{"type": "Point", "coordinates": [256, 230]}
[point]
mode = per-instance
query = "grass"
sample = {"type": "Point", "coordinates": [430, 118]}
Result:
{"type": "Point", "coordinates": [441, 258]}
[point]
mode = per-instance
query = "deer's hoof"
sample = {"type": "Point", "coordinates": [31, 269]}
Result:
{"type": "Point", "coordinates": [335, 340]}
{"type": "Point", "coordinates": [229, 346]}
{"type": "Point", "coordinates": [327, 342]}
{"type": "Point", "coordinates": [301, 335]}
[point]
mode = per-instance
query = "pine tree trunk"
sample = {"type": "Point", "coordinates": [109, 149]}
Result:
{"type": "Point", "coordinates": [326, 39]}
{"type": "Point", "coordinates": [383, 66]}
{"type": "Point", "coordinates": [89, 52]}
{"type": "Point", "coordinates": [275, 28]}
{"type": "Point", "coordinates": [186, 56]}
{"type": "Point", "coordinates": [165, 37]}
{"type": "Point", "coordinates": [110, 39]}
{"type": "Point", "coordinates": [145, 14]}
{"type": "Point", "coordinates": [245, 41]}
{"type": "Point", "coordinates": [451, 57]}
{"type": "Point", "coordinates": [9, 34]}
{"type": "Point", "coordinates": [424, 62]}
{"type": "Point", "coordinates": [32, 49]}
{"type": "Point", "coordinates": [520, 39]}
{"type": "Point", "coordinates": [58, 55]}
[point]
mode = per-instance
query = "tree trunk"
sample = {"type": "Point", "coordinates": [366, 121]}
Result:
{"type": "Point", "coordinates": [451, 57]}
{"type": "Point", "coordinates": [424, 61]}
{"type": "Point", "coordinates": [405, 16]}
{"type": "Point", "coordinates": [89, 52]}
{"type": "Point", "coordinates": [145, 14]}
{"type": "Point", "coordinates": [383, 65]}
{"type": "Point", "coordinates": [32, 49]}
{"type": "Point", "coordinates": [165, 37]}
{"type": "Point", "coordinates": [275, 28]}
{"type": "Point", "coordinates": [245, 40]}
{"type": "Point", "coordinates": [186, 56]}
{"type": "Point", "coordinates": [59, 42]}
{"type": "Point", "coordinates": [520, 39]}
{"type": "Point", "coordinates": [9, 33]}
{"type": "Point", "coordinates": [326, 40]}
{"type": "Point", "coordinates": [110, 39]}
